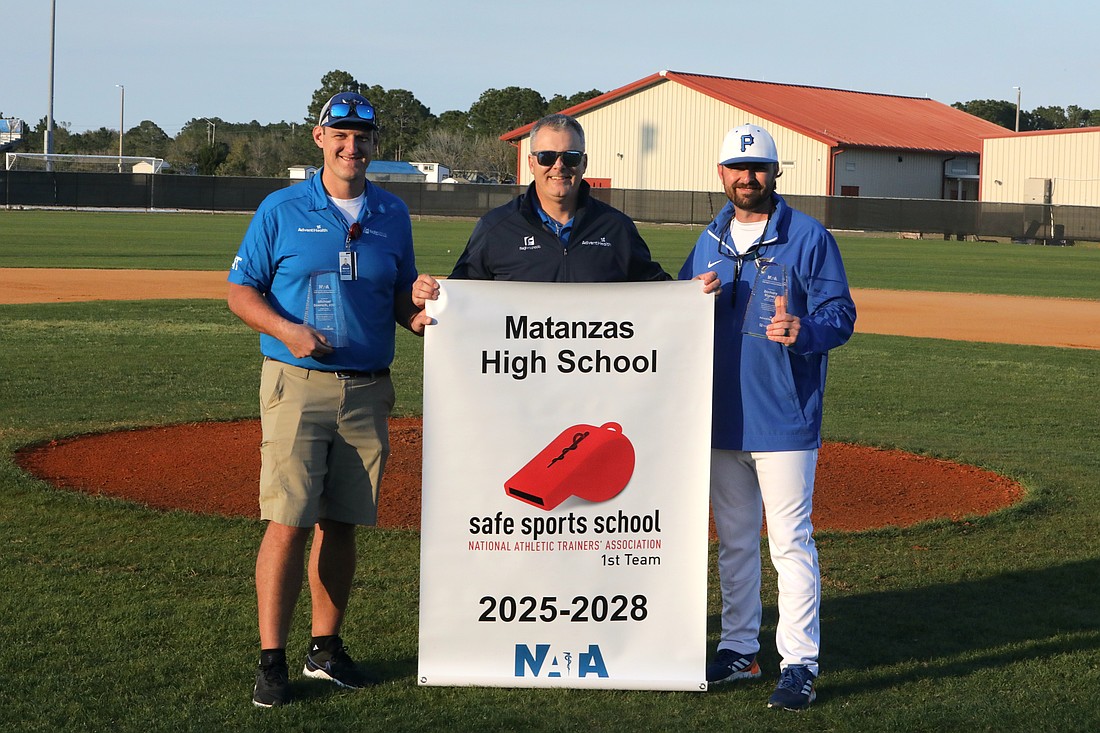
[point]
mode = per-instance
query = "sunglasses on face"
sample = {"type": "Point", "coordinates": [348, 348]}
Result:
{"type": "Point", "coordinates": [569, 158]}
{"type": "Point", "coordinates": [340, 110]}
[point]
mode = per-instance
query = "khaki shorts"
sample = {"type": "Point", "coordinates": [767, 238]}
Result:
{"type": "Point", "coordinates": [325, 444]}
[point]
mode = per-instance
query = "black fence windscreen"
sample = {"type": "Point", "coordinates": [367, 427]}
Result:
{"type": "Point", "coordinates": [952, 219]}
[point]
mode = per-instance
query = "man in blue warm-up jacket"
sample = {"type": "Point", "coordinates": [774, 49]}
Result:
{"type": "Point", "coordinates": [768, 391]}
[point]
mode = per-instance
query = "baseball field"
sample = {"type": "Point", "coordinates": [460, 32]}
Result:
{"type": "Point", "coordinates": [123, 617]}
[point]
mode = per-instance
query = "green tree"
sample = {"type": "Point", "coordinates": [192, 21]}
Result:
{"type": "Point", "coordinates": [455, 121]}
{"type": "Point", "coordinates": [240, 160]}
{"type": "Point", "coordinates": [331, 83]}
{"type": "Point", "coordinates": [1078, 117]}
{"type": "Point", "coordinates": [198, 147]}
{"type": "Point", "coordinates": [996, 111]}
{"type": "Point", "coordinates": [405, 121]}
{"type": "Point", "coordinates": [210, 157]}
{"type": "Point", "coordinates": [1048, 118]}
{"type": "Point", "coordinates": [37, 137]}
{"type": "Point", "coordinates": [499, 110]}
{"type": "Point", "coordinates": [269, 151]}
{"type": "Point", "coordinates": [299, 148]}
{"type": "Point", "coordinates": [103, 141]}
{"type": "Point", "coordinates": [402, 120]}
{"type": "Point", "coordinates": [558, 102]}
{"type": "Point", "coordinates": [147, 140]}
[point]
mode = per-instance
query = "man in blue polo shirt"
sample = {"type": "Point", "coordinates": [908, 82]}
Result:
{"type": "Point", "coordinates": [324, 271]}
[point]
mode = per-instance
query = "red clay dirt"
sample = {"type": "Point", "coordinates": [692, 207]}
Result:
{"type": "Point", "coordinates": [213, 468]}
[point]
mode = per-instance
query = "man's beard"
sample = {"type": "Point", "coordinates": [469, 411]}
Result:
{"type": "Point", "coordinates": [757, 200]}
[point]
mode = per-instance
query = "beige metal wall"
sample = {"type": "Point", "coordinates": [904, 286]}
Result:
{"type": "Point", "coordinates": [666, 138]}
{"type": "Point", "coordinates": [1070, 160]}
{"type": "Point", "coordinates": [891, 174]}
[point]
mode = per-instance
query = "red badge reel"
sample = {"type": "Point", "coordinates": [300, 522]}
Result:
{"type": "Point", "coordinates": [592, 463]}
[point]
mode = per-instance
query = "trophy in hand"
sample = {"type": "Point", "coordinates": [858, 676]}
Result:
{"type": "Point", "coordinates": [770, 283]}
{"type": "Point", "coordinates": [325, 308]}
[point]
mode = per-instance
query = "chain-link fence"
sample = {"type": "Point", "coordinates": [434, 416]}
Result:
{"type": "Point", "coordinates": [953, 219]}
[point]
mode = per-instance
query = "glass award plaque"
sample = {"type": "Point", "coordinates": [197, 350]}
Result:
{"type": "Point", "coordinates": [770, 283]}
{"type": "Point", "coordinates": [325, 308]}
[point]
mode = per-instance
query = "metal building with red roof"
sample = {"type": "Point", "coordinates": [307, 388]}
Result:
{"type": "Point", "coordinates": [663, 133]}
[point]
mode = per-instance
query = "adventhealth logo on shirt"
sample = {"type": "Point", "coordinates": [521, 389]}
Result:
{"type": "Point", "coordinates": [319, 229]}
{"type": "Point", "coordinates": [601, 242]}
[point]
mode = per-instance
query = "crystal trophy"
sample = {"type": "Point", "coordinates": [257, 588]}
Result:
{"type": "Point", "coordinates": [770, 283]}
{"type": "Point", "coordinates": [325, 308]}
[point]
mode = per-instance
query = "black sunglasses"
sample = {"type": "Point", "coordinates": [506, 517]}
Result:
{"type": "Point", "coordinates": [340, 110]}
{"type": "Point", "coordinates": [569, 158]}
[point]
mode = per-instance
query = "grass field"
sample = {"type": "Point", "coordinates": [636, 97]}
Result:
{"type": "Point", "coordinates": [166, 241]}
{"type": "Point", "coordinates": [120, 618]}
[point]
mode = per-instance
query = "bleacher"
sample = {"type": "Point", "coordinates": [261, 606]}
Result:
{"type": "Point", "coordinates": [11, 133]}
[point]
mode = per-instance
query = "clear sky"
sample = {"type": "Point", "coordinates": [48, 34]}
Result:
{"type": "Point", "coordinates": [244, 60]}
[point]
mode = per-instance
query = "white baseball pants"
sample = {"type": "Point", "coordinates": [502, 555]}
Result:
{"type": "Point", "coordinates": [781, 483]}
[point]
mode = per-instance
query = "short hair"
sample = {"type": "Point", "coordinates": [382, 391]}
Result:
{"type": "Point", "coordinates": [558, 121]}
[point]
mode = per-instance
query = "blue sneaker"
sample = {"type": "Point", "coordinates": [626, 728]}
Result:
{"type": "Point", "coordinates": [795, 690]}
{"type": "Point", "coordinates": [728, 666]}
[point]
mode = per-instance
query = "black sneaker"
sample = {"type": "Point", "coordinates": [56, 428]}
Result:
{"type": "Point", "coordinates": [729, 666]}
{"type": "Point", "coordinates": [272, 685]}
{"type": "Point", "coordinates": [336, 666]}
{"type": "Point", "coordinates": [795, 690]}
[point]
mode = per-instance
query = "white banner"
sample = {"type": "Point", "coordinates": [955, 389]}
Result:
{"type": "Point", "coordinates": [565, 486]}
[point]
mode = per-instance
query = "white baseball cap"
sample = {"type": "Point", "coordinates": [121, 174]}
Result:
{"type": "Point", "coordinates": [748, 144]}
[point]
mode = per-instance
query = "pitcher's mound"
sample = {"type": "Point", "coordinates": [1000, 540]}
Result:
{"type": "Point", "coordinates": [213, 468]}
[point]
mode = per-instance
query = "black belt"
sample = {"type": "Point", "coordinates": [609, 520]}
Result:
{"type": "Point", "coordinates": [343, 374]}
{"type": "Point", "coordinates": [363, 375]}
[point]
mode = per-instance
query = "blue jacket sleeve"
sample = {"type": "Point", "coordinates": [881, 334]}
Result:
{"type": "Point", "coordinates": [830, 311]}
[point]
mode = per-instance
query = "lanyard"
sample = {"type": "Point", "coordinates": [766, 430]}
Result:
{"type": "Point", "coordinates": [754, 253]}
{"type": "Point", "coordinates": [354, 231]}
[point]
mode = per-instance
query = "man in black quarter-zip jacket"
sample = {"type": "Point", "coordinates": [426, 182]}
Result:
{"type": "Point", "coordinates": [556, 231]}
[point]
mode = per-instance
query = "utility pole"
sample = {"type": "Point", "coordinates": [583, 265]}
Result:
{"type": "Point", "coordinates": [121, 122]}
{"type": "Point", "coordinates": [1017, 108]}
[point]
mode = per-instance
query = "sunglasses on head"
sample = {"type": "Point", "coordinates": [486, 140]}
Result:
{"type": "Point", "coordinates": [340, 110]}
{"type": "Point", "coordinates": [569, 158]}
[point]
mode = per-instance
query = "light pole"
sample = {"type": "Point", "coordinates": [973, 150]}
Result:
{"type": "Point", "coordinates": [211, 128]}
{"type": "Point", "coordinates": [121, 122]}
{"type": "Point", "coordinates": [1017, 108]}
{"type": "Point", "coordinates": [47, 142]}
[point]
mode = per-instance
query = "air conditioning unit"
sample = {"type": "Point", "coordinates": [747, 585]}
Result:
{"type": "Point", "coordinates": [1038, 191]}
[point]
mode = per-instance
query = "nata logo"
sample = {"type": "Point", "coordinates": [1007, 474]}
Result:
{"type": "Point", "coordinates": [543, 663]}
{"type": "Point", "coordinates": [601, 242]}
{"type": "Point", "coordinates": [319, 229]}
{"type": "Point", "coordinates": [529, 243]}
{"type": "Point", "coordinates": [375, 233]}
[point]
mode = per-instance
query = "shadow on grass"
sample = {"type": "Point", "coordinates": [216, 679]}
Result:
{"type": "Point", "coordinates": [951, 629]}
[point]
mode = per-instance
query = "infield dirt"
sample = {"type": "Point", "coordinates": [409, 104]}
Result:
{"type": "Point", "coordinates": [857, 487]}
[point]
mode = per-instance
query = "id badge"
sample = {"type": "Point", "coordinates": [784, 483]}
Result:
{"type": "Point", "coordinates": [348, 269]}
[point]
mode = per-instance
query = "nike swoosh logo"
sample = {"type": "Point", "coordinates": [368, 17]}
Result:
{"type": "Point", "coordinates": [712, 264]}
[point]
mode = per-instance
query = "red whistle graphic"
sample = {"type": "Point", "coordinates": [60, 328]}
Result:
{"type": "Point", "coordinates": [592, 463]}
